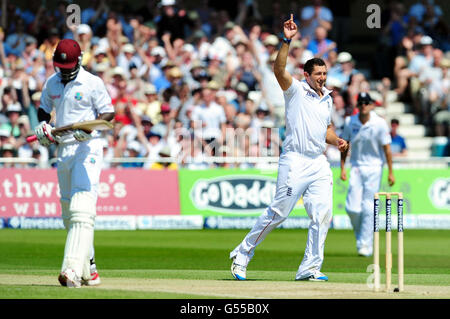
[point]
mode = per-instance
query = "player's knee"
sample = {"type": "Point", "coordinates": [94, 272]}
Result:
{"type": "Point", "coordinates": [275, 215]}
{"type": "Point", "coordinates": [83, 208]}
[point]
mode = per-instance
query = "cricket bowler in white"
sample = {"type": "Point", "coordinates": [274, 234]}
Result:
{"type": "Point", "coordinates": [303, 169]}
{"type": "Point", "coordinates": [370, 146]}
{"type": "Point", "coordinates": [76, 95]}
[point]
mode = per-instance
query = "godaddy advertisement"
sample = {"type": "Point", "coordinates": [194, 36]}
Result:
{"type": "Point", "coordinates": [239, 193]}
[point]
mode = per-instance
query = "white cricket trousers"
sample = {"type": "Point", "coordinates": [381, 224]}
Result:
{"type": "Point", "coordinates": [297, 175]}
{"type": "Point", "coordinates": [364, 182]}
{"type": "Point", "coordinates": [78, 167]}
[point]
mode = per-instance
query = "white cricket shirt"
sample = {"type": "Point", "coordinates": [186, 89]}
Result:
{"type": "Point", "coordinates": [366, 140]}
{"type": "Point", "coordinates": [82, 99]}
{"type": "Point", "coordinates": [212, 116]}
{"type": "Point", "coordinates": [307, 118]}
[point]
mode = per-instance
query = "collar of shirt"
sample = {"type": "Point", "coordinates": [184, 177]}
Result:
{"type": "Point", "coordinates": [308, 88]}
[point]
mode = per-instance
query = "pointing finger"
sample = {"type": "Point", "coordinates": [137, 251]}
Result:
{"type": "Point", "coordinates": [292, 17]}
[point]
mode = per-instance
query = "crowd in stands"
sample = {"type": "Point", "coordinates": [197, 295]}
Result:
{"type": "Point", "coordinates": [198, 84]}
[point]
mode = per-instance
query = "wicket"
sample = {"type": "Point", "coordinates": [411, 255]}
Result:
{"type": "Point", "coordinates": [376, 240]}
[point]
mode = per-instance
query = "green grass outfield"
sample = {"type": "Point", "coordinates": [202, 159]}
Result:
{"type": "Point", "coordinates": [30, 262]}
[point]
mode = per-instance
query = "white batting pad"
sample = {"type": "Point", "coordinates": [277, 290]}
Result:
{"type": "Point", "coordinates": [80, 236]}
{"type": "Point", "coordinates": [78, 248]}
{"type": "Point", "coordinates": [83, 207]}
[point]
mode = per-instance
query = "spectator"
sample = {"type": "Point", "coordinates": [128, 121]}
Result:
{"type": "Point", "coordinates": [5, 137]}
{"type": "Point", "coordinates": [344, 69]}
{"type": "Point", "coordinates": [441, 106]}
{"type": "Point", "coordinates": [15, 43]}
{"type": "Point", "coordinates": [434, 88]}
{"type": "Point", "coordinates": [13, 112]}
{"type": "Point", "coordinates": [166, 163]}
{"type": "Point", "coordinates": [320, 45]}
{"type": "Point", "coordinates": [8, 151]}
{"type": "Point", "coordinates": [133, 152]}
{"type": "Point", "coordinates": [50, 43]}
{"type": "Point", "coordinates": [153, 145]}
{"type": "Point", "coordinates": [127, 57]}
{"type": "Point", "coordinates": [398, 145]}
{"type": "Point", "coordinates": [419, 61]}
{"type": "Point", "coordinates": [172, 20]}
{"type": "Point", "coordinates": [167, 122]}
{"type": "Point", "coordinates": [420, 8]}
{"type": "Point", "coordinates": [313, 16]}
{"type": "Point", "coordinates": [208, 120]}
{"type": "Point", "coordinates": [150, 105]}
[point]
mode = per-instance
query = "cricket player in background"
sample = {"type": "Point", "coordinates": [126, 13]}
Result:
{"type": "Point", "coordinates": [303, 168]}
{"type": "Point", "coordinates": [76, 95]}
{"type": "Point", "coordinates": [370, 141]}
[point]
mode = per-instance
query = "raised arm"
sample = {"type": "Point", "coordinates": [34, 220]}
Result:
{"type": "Point", "coordinates": [283, 77]}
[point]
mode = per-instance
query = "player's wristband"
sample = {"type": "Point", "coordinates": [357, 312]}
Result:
{"type": "Point", "coordinates": [286, 40]}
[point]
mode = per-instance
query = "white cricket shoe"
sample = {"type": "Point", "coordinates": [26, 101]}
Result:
{"type": "Point", "coordinates": [365, 252]}
{"type": "Point", "coordinates": [94, 280]}
{"type": "Point", "coordinates": [239, 272]}
{"type": "Point", "coordinates": [68, 278]}
{"type": "Point", "coordinates": [317, 276]}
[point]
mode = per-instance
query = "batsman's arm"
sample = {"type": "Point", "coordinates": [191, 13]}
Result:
{"type": "Point", "coordinates": [43, 116]}
{"type": "Point", "coordinates": [106, 116]}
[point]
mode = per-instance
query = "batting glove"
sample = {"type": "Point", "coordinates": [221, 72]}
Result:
{"type": "Point", "coordinates": [44, 134]}
{"type": "Point", "coordinates": [81, 135]}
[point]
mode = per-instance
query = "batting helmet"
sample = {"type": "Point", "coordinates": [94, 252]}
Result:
{"type": "Point", "coordinates": [67, 59]}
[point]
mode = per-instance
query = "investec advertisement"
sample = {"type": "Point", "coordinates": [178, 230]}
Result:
{"type": "Point", "coordinates": [239, 193]}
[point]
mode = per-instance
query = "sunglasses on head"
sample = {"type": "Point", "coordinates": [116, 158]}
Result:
{"type": "Point", "coordinates": [364, 103]}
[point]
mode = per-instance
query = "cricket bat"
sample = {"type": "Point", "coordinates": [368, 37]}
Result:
{"type": "Point", "coordinates": [88, 126]}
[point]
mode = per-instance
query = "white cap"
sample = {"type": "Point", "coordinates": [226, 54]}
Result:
{"type": "Point", "coordinates": [334, 82]}
{"type": "Point", "coordinates": [118, 71]}
{"type": "Point", "coordinates": [84, 29]}
{"type": "Point", "coordinates": [128, 48]}
{"type": "Point", "coordinates": [14, 107]}
{"type": "Point", "coordinates": [188, 48]}
{"type": "Point", "coordinates": [4, 132]}
{"type": "Point", "coordinates": [101, 67]}
{"type": "Point", "coordinates": [426, 40]}
{"type": "Point", "coordinates": [307, 55]}
{"type": "Point", "coordinates": [100, 50]}
{"type": "Point", "coordinates": [159, 51]}
{"type": "Point", "coordinates": [344, 57]}
{"type": "Point", "coordinates": [167, 2]}
{"type": "Point", "coordinates": [134, 145]}
{"type": "Point", "coordinates": [242, 87]}
{"type": "Point", "coordinates": [36, 96]}
{"type": "Point", "coordinates": [271, 39]}
{"type": "Point", "coordinates": [165, 151]}
{"type": "Point", "coordinates": [149, 88]}
{"type": "Point", "coordinates": [268, 124]}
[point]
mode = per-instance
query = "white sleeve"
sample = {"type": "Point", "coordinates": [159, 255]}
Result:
{"type": "Point", "coordinates": [291, 91]}
{"type": "Point", "coordinates": [102, 101]}
{"type": "Point", "coordinates": [384, 136]}
{"type": "Point", "coordinates": [46, 101]}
